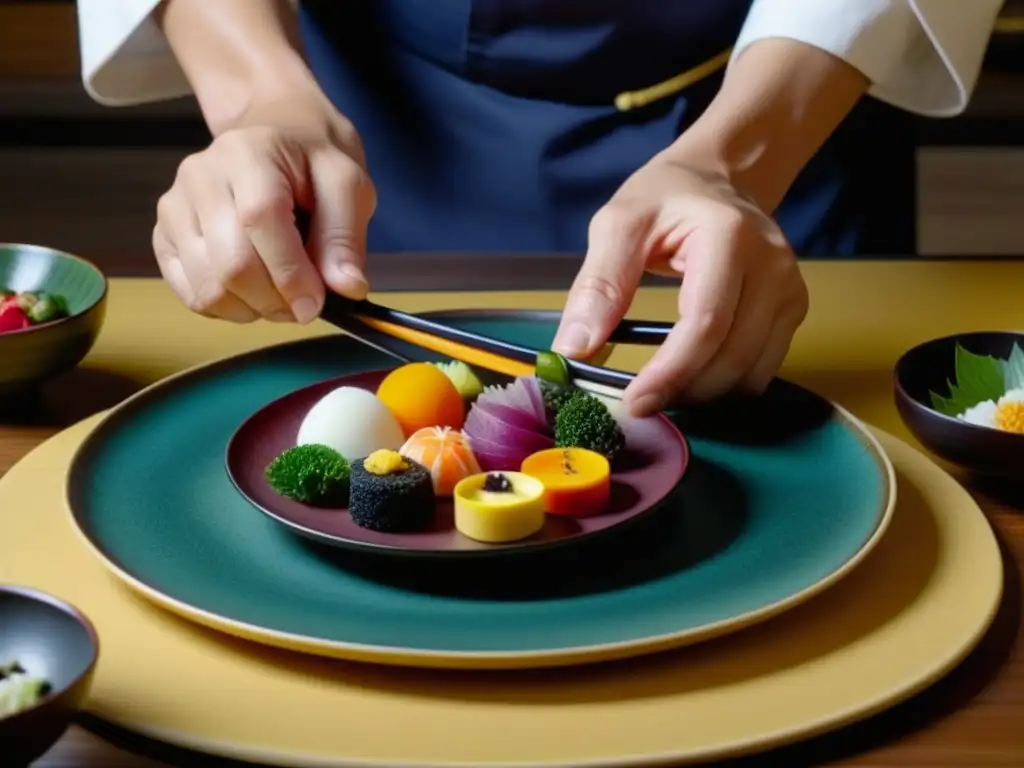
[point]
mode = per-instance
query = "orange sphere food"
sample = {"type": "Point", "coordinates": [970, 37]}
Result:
{"type": "Point", "coordinates": [421, 395]}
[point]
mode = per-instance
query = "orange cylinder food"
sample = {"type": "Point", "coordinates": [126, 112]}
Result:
{"type": "Point", "coordinates": [577, 482]}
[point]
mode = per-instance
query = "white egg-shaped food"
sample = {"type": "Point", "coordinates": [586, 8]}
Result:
{"type": "Point", "coordinates": [352, 421]}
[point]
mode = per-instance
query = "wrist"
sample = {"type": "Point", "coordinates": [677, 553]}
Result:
{"type": "Point", "coordinates": [757, 167]}
{"type": "Point", "coordinates": [260, 95]}
{"type": "Point", "coordinates": [236, 54]}
{"type": "Point", "coordinates": [780, 101]}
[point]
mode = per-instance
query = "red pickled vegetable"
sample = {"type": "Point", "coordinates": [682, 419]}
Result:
{"type": "Point", "coordinates": [532, 386]}
{"type": "Point", "coordinates": [12, 317]}
{"type": "Point", "coordinates": [523, 394]}
{"type": "Point", "coordinates": [481, 425]}
{"type": "Point", "coordinates": [507, 424]}
{"type": "Point", "coordinates": [512, 415]}
{"type": "Point", "coordinates": [498, 462]}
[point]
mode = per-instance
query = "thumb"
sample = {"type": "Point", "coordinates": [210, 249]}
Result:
{"type": "Point", "coordinates": [345, 200]}
{"type": "Point", "coordinates": [603, 290]}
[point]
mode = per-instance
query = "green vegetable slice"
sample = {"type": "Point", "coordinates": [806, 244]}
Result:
{"type": "Point", "coordinates": [463, 378]}
{"type": "Point", "coordinates": [552, 367]}
{"type": "Point", "coordinates": [21, 691]}
{"type": "Point", "coordinates": [47, 307]}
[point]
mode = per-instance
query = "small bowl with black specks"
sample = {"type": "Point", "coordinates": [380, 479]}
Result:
{"type": "Point", "coordinates": [48, 654]}
{"type": "Point", "coordinates": [988, 451]}
{"type": "Point", "coordinates": [54, 342]}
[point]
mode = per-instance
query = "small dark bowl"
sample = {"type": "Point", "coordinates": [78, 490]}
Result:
{"type": "Point", "coordinates": [39, 353]}
{"type": "Point", "coordinates": [53, 640]}
{"type": "Point", "coordinates": [982, 450]}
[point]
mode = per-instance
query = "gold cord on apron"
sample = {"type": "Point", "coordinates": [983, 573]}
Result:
{"type": "Point", "coordinates": [628, 100]}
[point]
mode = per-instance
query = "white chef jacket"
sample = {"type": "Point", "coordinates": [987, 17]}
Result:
{"type": "Point", "coordinates": [922, 56]}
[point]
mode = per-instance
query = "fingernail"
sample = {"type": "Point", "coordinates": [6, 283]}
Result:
{"type": "Point", "coordinates": [351, 280]}
{"type": "Point", "coordinates": [574, 340]}
{"type": "Point", "coordinates": [646, 405]}
{"type": "Point", "coordinates": [305, 309]}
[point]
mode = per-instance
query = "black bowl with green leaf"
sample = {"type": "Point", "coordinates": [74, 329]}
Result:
{"type": "Point", "coordinates": [948, 392]}
{"type": "Point", "coordinates": [52, 307]}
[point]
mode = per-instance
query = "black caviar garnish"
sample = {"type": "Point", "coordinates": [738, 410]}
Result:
{"type": "Point", "coordinates": [497, 483]}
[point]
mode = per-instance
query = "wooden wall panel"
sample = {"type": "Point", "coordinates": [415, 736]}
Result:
{"type": "Point", "coordinates": [970, 201]}
{"type": "Point", "coordinates": [38, 40]}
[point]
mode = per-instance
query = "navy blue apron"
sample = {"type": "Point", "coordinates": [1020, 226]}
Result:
{"type": "Point", "coordinates": [491, 125]}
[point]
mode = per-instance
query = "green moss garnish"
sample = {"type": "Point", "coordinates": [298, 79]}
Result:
{"type": "Point", "coordinates": [311, 474]}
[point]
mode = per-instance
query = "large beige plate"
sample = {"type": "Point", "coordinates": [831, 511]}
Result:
{"type": "Point", "coordinates": [909, 613]}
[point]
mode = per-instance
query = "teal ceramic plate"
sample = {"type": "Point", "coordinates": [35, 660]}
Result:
{"type": "Point", "coordinates": [782, 497]}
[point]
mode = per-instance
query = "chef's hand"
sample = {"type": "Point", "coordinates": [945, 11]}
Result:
{"type": "Point", "coordinates": [226, 239]}
{"type": "Point", "coordinates": [742, 296]}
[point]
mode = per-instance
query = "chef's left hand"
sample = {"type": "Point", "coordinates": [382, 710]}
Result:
{"type": "Point", "coordinates": [742, 297]}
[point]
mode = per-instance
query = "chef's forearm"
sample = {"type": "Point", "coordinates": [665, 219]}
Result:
{"type": "Point", "coordinates": [780, 101]}
{"type": "Point", "coordinates": [235, 53]}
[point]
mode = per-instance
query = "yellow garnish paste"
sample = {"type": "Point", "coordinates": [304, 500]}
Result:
{"type": "Point", "coordinates": [1010, 417]}
{"type": "Point", "coordinates": [385, 462]}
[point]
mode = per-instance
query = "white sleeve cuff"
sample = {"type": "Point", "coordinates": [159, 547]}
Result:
{"type": "Point", "coordinates": [923, 56]}
{"type": "Point", "coordinates": [125, 57]}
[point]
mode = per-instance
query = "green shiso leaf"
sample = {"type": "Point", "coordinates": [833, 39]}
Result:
{"type": "Point", "coordinates": [978, 378]}
{"type": "Point", "coordinates": [1013, 369]}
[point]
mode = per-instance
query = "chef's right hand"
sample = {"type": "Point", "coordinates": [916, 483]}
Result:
{"type": "Point", "coordinates": [226, 238]}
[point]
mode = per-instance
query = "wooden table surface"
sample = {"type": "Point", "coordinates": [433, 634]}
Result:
{"type": "Point", "coordinates": [863, 316]}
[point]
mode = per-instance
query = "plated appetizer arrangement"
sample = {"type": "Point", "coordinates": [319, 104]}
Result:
{"type": "Point", "coordinates": [26, 309]}
{"type": "Point", "coordinates": [505, 456]}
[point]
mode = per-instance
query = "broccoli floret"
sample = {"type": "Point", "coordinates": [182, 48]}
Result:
{"type": "Point", "coordinates": [555, 396]}
{"type": "Point", "coordinates": [312, 474]}
{"type": "Point", "coordinates": [585, 422]}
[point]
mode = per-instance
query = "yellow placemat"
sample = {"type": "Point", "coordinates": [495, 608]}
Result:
{"type": "Point", "coordinates": [913, 609]}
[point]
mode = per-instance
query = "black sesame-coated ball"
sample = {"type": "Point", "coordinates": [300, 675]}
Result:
{"type": "Point", "coordinates": [396, 503]}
